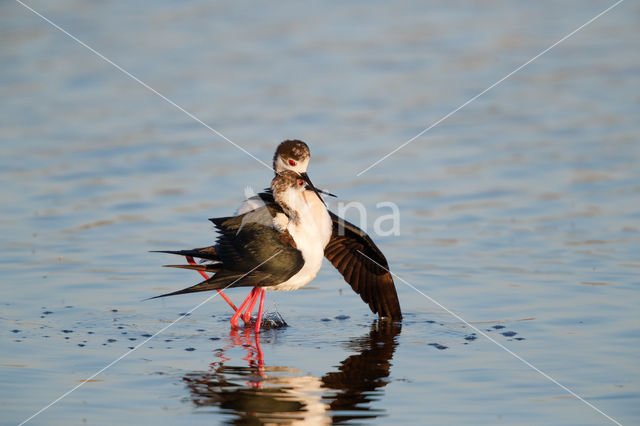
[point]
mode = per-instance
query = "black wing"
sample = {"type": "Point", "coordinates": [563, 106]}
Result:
{"type": "Point", "coordinates": [248, 242]}
{"type": "Point", "coordinates": [368, 275]}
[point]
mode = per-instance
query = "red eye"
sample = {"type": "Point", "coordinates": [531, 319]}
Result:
{"type": "Point", "coordinates": [300, 182]}
{"type": "Point", "coordinates": [292, 163]}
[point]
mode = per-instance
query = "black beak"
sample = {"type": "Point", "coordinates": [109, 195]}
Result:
{"type": "Point", "coordinates": [306, 178]}
{"type": "Point", "coordinates": [322, 191]}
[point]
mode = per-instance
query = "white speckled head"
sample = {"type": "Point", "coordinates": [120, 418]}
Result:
{"type": "Point", "coordinates": [291, 155]}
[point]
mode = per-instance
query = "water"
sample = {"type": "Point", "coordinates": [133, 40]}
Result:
{"type": "Point", "coordinates": [519, 213]}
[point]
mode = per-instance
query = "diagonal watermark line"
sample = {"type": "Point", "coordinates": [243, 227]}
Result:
{"type": "Point", "coordinates": [490, 87]}
{"type": "Point", "coordinates": [137, 80]}
{"type": "Point", "coordinates": [432, 300]}
{"type": "Point", "coordinates": [139, 345]}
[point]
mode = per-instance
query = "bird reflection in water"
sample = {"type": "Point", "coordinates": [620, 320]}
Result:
{"type": "Point", "coordinates": [261, 394]}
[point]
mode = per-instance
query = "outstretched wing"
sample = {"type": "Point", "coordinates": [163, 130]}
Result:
{"type": "Point", "coordinates": [363, 266]}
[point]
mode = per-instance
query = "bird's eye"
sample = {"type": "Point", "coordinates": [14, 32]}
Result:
{"type": "Point", "coordinates": [292, 163]}
{"type": "Point", "coordinates": [300, 182]}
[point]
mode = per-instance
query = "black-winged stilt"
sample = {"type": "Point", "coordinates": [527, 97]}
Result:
{"type": "Point", "coordinates": [291, 223]}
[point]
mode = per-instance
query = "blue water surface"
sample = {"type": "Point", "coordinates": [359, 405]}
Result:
{"type": "Point", "coordinates": [519, 213]}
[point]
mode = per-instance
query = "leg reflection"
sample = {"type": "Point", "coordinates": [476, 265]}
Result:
{"type": "Point", "coordinates": [262, 394]}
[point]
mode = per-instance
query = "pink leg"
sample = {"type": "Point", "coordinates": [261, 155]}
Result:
{"type": "Point", "coordinates": [206, 277]}
{"type": "Point", "coordinates": [234, 318]}
{"type": "Point", "coordinates": [255, 292]}
{"type": "Point", "coordinates": [259, 320]}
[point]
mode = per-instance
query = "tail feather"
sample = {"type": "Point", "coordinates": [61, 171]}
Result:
{"type": "Point", "coordinates": [206, 267]}
{"type": "Point", "coordinates": [208, 253]}
{"type": "Point", "coordinates": [219, 281]}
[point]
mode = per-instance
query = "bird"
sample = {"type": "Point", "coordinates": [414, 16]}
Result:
{"type": "Point", "coordinates": [350, 250]}
{"type": "Point", "coordinates": [275, 246]}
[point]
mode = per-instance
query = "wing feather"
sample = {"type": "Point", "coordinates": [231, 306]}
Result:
{"type": "Point", "coordinates": [364, 267]}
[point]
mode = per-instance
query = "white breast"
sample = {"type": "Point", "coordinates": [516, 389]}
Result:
{"type": "Point", "coordinates": [311, 234]}
{"type": "Point", "coordinates": [320, 216]}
